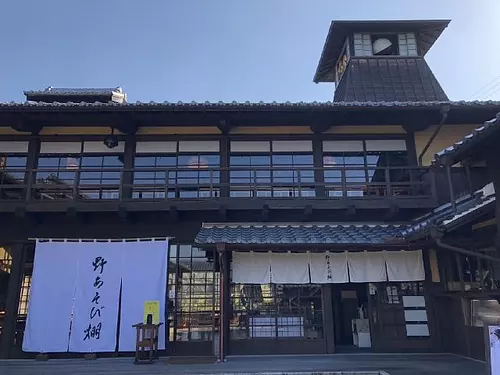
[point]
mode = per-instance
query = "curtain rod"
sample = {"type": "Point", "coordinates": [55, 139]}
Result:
{"type": "Point", "coordinates": [139, 239]}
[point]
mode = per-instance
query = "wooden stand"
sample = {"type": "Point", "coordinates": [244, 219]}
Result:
{"type": "Point", "coordinates": [146, 344]}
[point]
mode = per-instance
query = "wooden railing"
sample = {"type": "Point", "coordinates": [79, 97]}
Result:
{"type": "Point", "coordinates": [89, 184]}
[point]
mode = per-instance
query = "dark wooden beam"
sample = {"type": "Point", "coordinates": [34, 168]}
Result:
{"type": "Point", "coordinates": [265, 212]}
{"type": "Point", "coordinates": [308, 213]}
{"type": "Point", "coordinates": [223, 213]}
{"type": "Point", "coordinates": [351, 211]}
{"type": "Point", "coordinates": [18, 253]}
{"type": "Point", "coordinates": [224, 126]}
{"type": "Point", "coordinates": [173, 214]}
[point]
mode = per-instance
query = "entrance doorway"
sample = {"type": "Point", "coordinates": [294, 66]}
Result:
{"type": "Point", "coordinates": [350, 304]}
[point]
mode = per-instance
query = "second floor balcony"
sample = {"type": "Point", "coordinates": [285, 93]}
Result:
{"type": "Point", "coordinates": [333, 186]}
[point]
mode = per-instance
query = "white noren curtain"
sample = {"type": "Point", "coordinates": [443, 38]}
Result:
{"type": "Point", "coordinates": [289, 268]}
{"type": "Point", "coordinates": [328, 268]}
{"type": "Point", "coordinates": [51, 297]}
{"type": "Point", "coordinates": [405, 265]}
{"type": "Point", "coordinates": [144, 278]}
{"type": "Point", "coordinates": [367, 267]}
{"type": "Point", "coordinates": [251, 268]}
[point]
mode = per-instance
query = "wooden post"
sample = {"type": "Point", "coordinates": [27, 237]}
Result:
{"type": "Point", "coordinates": [319, 180]}
{"type": "Point", "coordinates": [328, 321]}
{"type": "Point", "coordinates": [18, 253]}
{"type": "Point", "coordinates": [31, 163]}
{"type": "Point", "coordinates": [128, 165]}
{"type": "Point", "coordinates": [225, 302]}
{"type": "Point", "coordinates": [224, 166]}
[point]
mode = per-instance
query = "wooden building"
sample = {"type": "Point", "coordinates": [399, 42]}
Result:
{"type": "Point", "coordinates": [250, 192]}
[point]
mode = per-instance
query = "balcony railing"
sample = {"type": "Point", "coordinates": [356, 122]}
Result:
{"type": "Point", "coordinates": [88, 184]}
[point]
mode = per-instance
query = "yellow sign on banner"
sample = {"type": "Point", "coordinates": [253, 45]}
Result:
{"type": "Point", "coordinates": [152, 308]}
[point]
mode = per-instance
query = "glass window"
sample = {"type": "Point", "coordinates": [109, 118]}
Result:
{"type": "Point", "coordinates": [365, 172]}
{"type": "Point", "coordinates": [99, 176]}
{"type": "Point", "coordinates": [193, 294]}
{"type": "Point", "coordinates": [12, 172]}
{"type": "Point", "coordinates": [484, 311]}
{"type": "Point", "coordinates": [265, 175]}
{"type": "Point", "coordinates": [185, 176]}
{"type": "Point", "coordinates": [276, 311]}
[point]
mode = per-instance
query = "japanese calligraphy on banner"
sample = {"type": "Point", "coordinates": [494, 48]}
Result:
{"type": "Point", "coordinates": [328, 268]}
{"type": "Point", "coordinates": [97, 296]}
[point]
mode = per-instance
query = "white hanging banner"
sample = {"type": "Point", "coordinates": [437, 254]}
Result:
{"type": "Point", "coordinates": [144, 278]}
{"type": "Point", "coordinates": [289, 268]}
{"type": "Point", "coordinates": [405, 265]}
{"type": "Point", "coordinates": [97, 294]}
{"type": "Point", "coordinates": [51, 297]}
{"type": "Point", "coordinates": [367, 267]}
{"type": "Point", "coordinates": [251, 268]}
{"type": "Point", "coordinates": [328, 268]}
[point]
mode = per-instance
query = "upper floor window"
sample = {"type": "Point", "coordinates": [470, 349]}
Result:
{"type": "Point", "coordinates": [278, 168]}
{"type": "Point", "coordinates": [94, 169]}
{"type": "Point", "coordinates": [359, 167]}
{"type": "Point", "coordinates": [175, 169]}
{"type": "Point", "coordinates": [13, 158]}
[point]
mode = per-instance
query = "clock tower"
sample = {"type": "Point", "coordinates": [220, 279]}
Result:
{"type": "Point", "coordinates": [381, 61]}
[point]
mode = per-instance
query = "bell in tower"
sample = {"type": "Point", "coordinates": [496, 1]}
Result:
{"type": "Point", "coordinates": [381, 61]}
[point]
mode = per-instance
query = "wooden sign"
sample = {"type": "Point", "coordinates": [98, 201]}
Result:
{"type": "Point", "coordinates": [152, 308]}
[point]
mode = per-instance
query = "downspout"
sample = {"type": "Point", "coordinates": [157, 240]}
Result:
{"type": "Point", "coordinates": [444, 115]}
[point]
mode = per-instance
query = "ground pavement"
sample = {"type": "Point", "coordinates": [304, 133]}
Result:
{"type": "Point", "coordinates": [407, 364]}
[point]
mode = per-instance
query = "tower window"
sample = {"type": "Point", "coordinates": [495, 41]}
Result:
{"type": "Point", "coordinates": [385, 44]}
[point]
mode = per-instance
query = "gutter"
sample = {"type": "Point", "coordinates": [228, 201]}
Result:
{"type": "Point", "coordinates": [444, 115]}
{"type": "Point", "coordinates": [465, 251]}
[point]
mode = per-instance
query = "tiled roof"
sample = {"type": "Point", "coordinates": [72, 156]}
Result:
{"type": "Point", "coordinates": [258, 105]}
{"type": "Point", "coordinates": [410, 79]}
{"type": "Point", "coordinates": [284, 234]}
{"type": "Point", "coordinates": [467, 207]}
{"type": "Point", "coordinates": [453, 152]}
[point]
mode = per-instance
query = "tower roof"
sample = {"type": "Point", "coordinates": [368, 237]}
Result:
{"type": "Point", "coordinates": [427, 32]}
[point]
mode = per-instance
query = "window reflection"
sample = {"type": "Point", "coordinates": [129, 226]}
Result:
{"type": "Point", "coordinates": [276, 311]}
{"type": "Point", "coordinates": [183, 176]}
{"type": "Point", "coordinates": [364, 172]}
{"type": "Point", "coordinates": [278, 175]}
{"type": "Point", "coordinates": [193, 294]}
{"type": "Point", "coordinates": [99, 176]}
{"type": "Point", "coordinates": [11, 174]}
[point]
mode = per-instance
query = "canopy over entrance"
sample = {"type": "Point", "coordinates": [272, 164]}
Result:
{"type": "Point", "coordinates": [308, 236]}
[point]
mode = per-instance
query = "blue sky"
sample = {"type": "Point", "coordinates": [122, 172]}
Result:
{"type": "Point", "coordinates": [211, 50]}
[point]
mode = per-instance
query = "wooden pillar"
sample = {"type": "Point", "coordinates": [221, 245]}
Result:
{"type": "Point", "coordinates": [224, 165]}
{"type": "Point", "coordinates": [319, 178]}
{"type": "Point", "coordinates": [225, 302]}
{"type": "Point", "coordinates": [18, 253]}
{"type": "Point", "coordinates": [31, 163]}
{"type": "Point", "coordinates": [328, 318]}
{"type": "Point", "coordinates": [432, 321]}
{"type": "Point", "coordinates": [128, 165]}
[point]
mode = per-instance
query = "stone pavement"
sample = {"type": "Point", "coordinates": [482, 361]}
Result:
{"type": "Point", "coordinates": [394, 364]}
